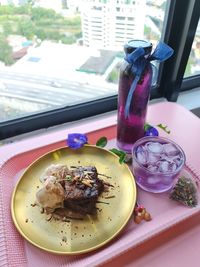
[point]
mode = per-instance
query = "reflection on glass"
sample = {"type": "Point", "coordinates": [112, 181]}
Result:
{"type": "Point", "coordinates": [61, 53]}
{"type": "Point", "coordinates": [193, 65]}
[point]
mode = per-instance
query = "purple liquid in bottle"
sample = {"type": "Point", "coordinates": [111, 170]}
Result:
{"type": "Point", "coordinates": [131, 128]}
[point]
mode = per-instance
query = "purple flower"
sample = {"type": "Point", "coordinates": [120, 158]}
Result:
{"type": "Point", "coordinates": [76, 140]}
{"type": "Point", "coordinates": [151, 131]}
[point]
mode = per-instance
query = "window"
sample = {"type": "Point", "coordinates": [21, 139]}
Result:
{"type": "Point", "coordinates": [120, 18]}
{"type": "Point", "coordinates": [193, 64]}
{"type": "Point", "coordinates": [99, 8]}
{"type": "Point", "coordinates": [48, 56]}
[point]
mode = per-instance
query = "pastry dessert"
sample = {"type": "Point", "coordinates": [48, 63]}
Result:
{"type": "Point", "coordinates": [69, 193]}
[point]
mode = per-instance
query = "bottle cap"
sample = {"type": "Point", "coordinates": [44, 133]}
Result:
{"type": "Point", "coordinates": [131, 45]}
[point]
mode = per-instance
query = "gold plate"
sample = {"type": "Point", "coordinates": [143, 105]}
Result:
{"type": "Point", "coordinates": [75, 236]}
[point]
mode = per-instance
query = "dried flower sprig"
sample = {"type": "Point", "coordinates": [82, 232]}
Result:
{"type": "Point", "coordinates": [185, 192]}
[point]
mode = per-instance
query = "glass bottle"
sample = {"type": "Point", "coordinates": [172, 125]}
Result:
{"type": "Point", "coordinates": [131, 128]}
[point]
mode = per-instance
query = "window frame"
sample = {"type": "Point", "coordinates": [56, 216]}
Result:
{"type": "Point", "coordinates": [168, 85]}
{"type": "Point", "coordinates": [180, 33]}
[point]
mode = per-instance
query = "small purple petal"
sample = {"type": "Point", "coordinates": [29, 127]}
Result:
{"type": "Point", "coordinates": [151, 132]}
{"type": "Point", "coordinates": [76, 140]}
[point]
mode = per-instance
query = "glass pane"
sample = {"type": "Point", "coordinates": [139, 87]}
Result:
{"type": "Point", "coordinates": [61, 53]}
{"type": "Point", "coordinates": [193, 66]}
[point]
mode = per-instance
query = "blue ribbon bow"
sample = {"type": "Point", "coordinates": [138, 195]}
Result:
{"type": "Point", "coordinates": [138, 61]}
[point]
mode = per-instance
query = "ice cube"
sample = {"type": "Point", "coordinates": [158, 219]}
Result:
{"type": "Point", "coordinates": [173, 167]}
{"type": "Point", "coordinates": [164, 166]}
{"type": "Point", "coordinates": [167, 158]}
{"type": "Point", "coordinates": [152, 168]}
{"type": "Point", "coordinates": [141, 155]}
{"type": "Point", "coordinates": [154, 147]}
{"type": "Point", "coordinates": [170, 149]}
{"type": "Point", "coordinates": [153, 157]}
{"type": "Point", "coordinates": [177, 160]}
{"type": "Point", "coordinates": [153, 180]}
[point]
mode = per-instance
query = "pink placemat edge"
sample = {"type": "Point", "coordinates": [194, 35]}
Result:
{"type": "Point", "coordinates": [19, 254]}
{"type": "Point", "coordinates": [3, 250]}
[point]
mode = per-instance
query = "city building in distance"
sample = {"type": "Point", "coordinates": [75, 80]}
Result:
{"type": "Point", "coordinates": [111, 23]}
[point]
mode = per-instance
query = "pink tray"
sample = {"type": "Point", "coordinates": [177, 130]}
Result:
{"type": "Point", "coordinates": [15, 251]}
